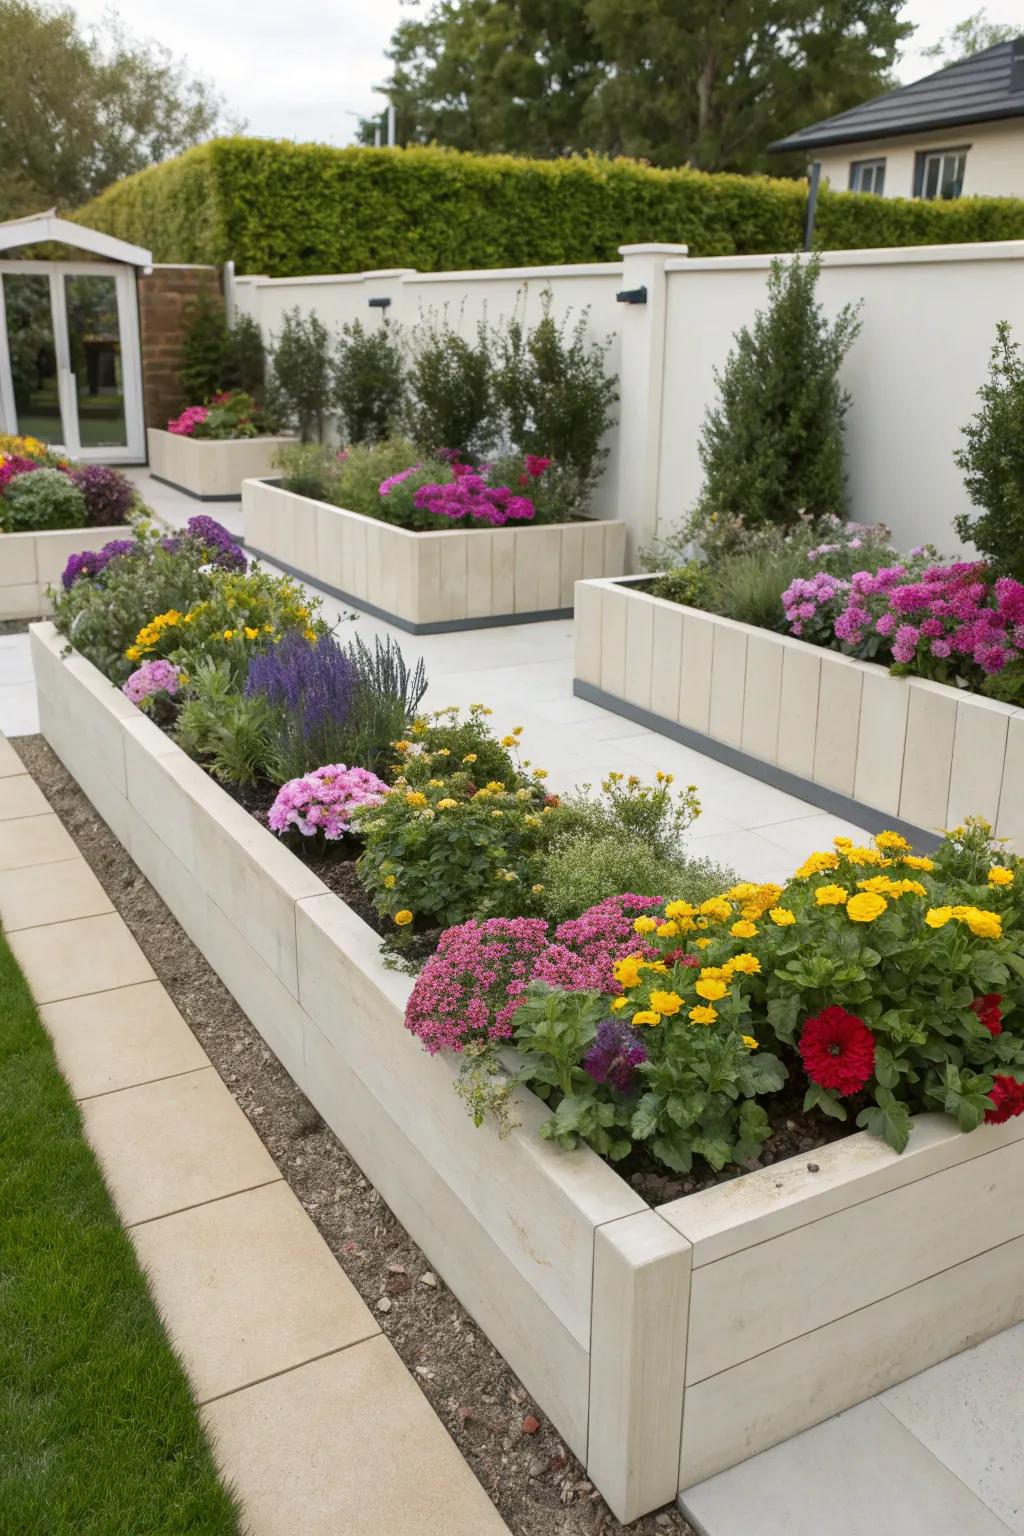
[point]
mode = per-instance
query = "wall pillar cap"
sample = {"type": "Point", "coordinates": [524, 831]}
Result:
{"type": "Point", "coordinates": [654, 249]}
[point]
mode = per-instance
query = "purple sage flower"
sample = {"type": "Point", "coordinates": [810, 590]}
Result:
{"type": "Point", "coordinates": [614, 1056]}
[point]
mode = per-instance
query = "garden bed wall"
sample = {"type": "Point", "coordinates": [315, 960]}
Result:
{"type": "Point", "coordinates": [210, 469]}
{"type": "Point", "coordinates": [428, 583]}
{"type": "Point", "coordinates": [31, 562]}
{"type": "Point", "coordinates": [664, 1344]}
{"type": "Point", "coordinates": [843, 734]}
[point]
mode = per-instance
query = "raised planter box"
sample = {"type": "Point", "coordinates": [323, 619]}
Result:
{"type": "Point", "coordinates": [207, 469]}
{"type": "Point", "coordinates": [665, 1345]}
{"type": "Point", "coordinates": [31, 562]}
{"type": "Point", "coordinates": [879, 750]}
{"type": "Point", "coordinates": [430, 583]}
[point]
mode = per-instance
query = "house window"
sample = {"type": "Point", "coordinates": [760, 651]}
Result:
{"type": "Point", "coordinates": [867, 176]}
{"type": "Point", "coordinates": [939, 173]}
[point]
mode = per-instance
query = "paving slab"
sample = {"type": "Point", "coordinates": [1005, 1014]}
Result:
{"type": "Point", "coordinates": [249, 1288]}
{"type": "Point", "coordinates": [50, 893]}
{"type": "Point", "coordinates": [859, 1472]}
{"type": "Point", "coordinates": [179, 1142]}
{"type": "Point", "coordinates": [10, 762]}
{"type": "Point", "coordinates": [87, 954]}
{"type": "Point", "coordinates": [968, 1411]}
{"type": "Point", "coordinates": [111, 1040]}
{"type": "Point", "coordinates": [346, 1446]}
{"type": "Point", "coordinates": [21, 796]}
{"type": "Point", "coordinates": [34, 840]}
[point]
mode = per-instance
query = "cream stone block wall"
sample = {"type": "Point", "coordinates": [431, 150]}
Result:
{"type": "Point", "coordinates": [430, 581]}
{"type": "Point", "coordinates": [906, 748]}
{"type": "Point", "coordinates": [32, 562]}
{"type": "Point", "coordinates": [209, 469]}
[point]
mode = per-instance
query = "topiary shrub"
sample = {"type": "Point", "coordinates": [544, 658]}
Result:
{"type": "Point", "coordinates": [452, 388]}
{"type": "Point", "coordinates": [301, 388]}
{"type": "Point", "coordinates": [368, 382]}
{"type": "Point", "coordinates": [44, 499]}
{"type": "Point", "coordinates": [993, 461]}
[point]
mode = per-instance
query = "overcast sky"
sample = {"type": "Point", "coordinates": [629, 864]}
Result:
{"type": "Point", "coordinates": [305, 69]}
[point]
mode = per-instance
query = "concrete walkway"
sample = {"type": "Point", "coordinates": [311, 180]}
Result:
{"type": "Point", "coordinates": [315, 1420]}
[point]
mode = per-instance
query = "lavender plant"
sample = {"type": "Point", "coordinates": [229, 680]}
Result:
{"type": "Point", "coordinates": [312, 687]}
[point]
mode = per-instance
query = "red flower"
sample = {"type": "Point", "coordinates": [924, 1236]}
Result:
{"type": "Point", "coordinates": [1007, 1097]}
{"type": "Point", "coordinates": [987, 1009]}
{"type": "Point", "coordinates": [680, 957]}
{"type": "Point", "coordinates": [535, 465]}
{"type": "Point", "coordinates": [838, 1050]}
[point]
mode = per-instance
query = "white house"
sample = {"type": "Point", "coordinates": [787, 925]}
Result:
{"type": "Point", "coordinates": [957, 133]}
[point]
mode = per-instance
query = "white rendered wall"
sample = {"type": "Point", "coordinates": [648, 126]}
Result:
{"type": "Point", "coordinates": [995, 158]}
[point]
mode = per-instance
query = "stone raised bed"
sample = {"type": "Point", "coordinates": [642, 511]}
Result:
{"type": "Point", "coordinates": [665, 1345]}
{"type": "Point", "coordinates": [31, 562]}
{"type": "Point", "coordinates": [843, 734]}
{"type": "Point", "coordinates": [429, 583]}
{"type": "Point", "coordinates": [210, 469]}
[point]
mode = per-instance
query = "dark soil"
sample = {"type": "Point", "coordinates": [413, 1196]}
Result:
{"type": "Point", "coordinates": [538, 1487]}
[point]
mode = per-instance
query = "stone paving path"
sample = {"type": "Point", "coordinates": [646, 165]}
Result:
{"type": "Point", "coordinates": [314, 1418]}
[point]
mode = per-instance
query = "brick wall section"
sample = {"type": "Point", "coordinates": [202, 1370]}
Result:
{"type": "Point", "coordinates": [166, 296]}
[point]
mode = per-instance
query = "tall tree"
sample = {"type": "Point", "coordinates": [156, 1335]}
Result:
{"type": "Point", "coordinates": [972, 35]}
{"type": "Point", "coordinates": [82, 108]}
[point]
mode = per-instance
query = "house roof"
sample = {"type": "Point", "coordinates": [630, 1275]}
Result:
{"type": "Point", "coordinates": [987, 86]}
{"type": "Point", "coordinates": [48, 225]}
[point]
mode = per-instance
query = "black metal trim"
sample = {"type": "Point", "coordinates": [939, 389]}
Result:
{"type": "Point", "coordinates": [195, 495]}
{"type": "Point", "coordinates": [632, 295]}
{"type": "Point", "coordinates": [756, 768]}
{"type": "Point", "coordinates": [381, 303]}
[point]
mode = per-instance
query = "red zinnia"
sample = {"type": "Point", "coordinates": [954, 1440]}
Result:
{"type": "Point", "coordinates": [1007, 1097]}
{"type": "Point", "coordinates": [987, 1009]}
{"type": "Point", "coordinates": [838, 1050]}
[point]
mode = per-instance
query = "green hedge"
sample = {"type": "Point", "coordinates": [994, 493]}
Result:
{"type": "Point", "coordinates": [289, 209]}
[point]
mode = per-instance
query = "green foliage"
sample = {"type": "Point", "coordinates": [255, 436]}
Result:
{"type": "Point", "coordinates": [690, 584]}
{"type": "Point", "coordinates": [993, 461]}
{"type": "Point", "coordinates": [97, 1422]}
{"type": "Point", "coordinates": [556, 398]}
{"type": "Point", "coordinates": [468, 744]}
{"type": "Point", "coordinates": [287, 209]}
{"type": "Point", "coordinates": [368, 382]}
{"type": "Point", "coordinates": [216, 357]}
{"type": "Point", "coordinates": [772, 449]}
{"type": "Point", "coordinates": [653, 813]}
{"type": "Point", "coordinates": [1006, 685]}
{"type": "Point", "coordinates": [301, 387]}
{"type": "Point", "coordinates": [235, 415]}
{"type": "Point", "coordinates": [41, 499]}
{"type": "Point", "coordinates": [452, 388]}
{"type": "Point", "coordinates": [968, 37]}
{"type": "Point", "coordinates": [232, 735]}
{"type": "Point", "coordinates": [366, 466]}
{"type": "Point", "coordinates": [387, 696]}
{"type": "Point", "coordinates": [310, 469]}
{"type": "Point", "coordinates": [586, 865]}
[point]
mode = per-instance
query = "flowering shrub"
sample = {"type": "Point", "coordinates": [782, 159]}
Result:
{"type": "Point", "coordinates": [152, 679]}
{"type": "Point", "coordinates": [15, 465]}
{"type": "Point", "coordinates": [43, 499]}
{"type": "Point", "coordinates": [25, 448]}
{"type": "Point", "coordinates": [324, 801]}
{"type": "Point", "coordinates": [189, 422]}
{"type": "Point", "coordinates": [90, 562]}
{"type": "Point", "coordinates": [231, 414]}
{"type": "Point", "coordinates": [467, 498]}
{"type": "Point", "coordinates": [108, 494]}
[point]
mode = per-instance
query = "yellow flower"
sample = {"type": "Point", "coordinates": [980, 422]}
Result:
{"type": "Point", "coordinates": [229, 634]}
{"type": "Point", "coordinates": [133, 653]}
{"type": "Point", "coordinates": [711, 989]}
{"type": "Point", "coordinates": [866, 856]}
{"type": "Point", "coordinates": [400, 746]}
{"type": "Point", "coordinates": [912, 888]}
{"type": "Point", "coordinates": [435, 783]}
{"type": "Point", "coordinates": [644, 925]}
{"type": "Point", "coordinates": [842, 843]}
{"type": "Point", "coordinates": [389, 882]}
{"type": "Point", "coordinates": [540, 773]}
{"type": "Point", "coordinates": [470, 757]}
{"type": "Point", "coordinates": [497, 815]}
{"type": "Point", "coordinates": [894, 841]}
{"type": "Point", "coordinates": [701, 1015]}
{"type": "Point", "coordinates": [536, 889]}
{"type": "Point", "coordinates": [447, 804]}
{"type": "Point", "coordinates": [717, 908]}
{"type": "Point", "coordinates": [251, 634]}
{"type": "Point", "coordinates": [831, 896]}
{"type": "Point", "coordinates": [627, 971]}
{"type": "Point", "coordinates": [984, 925]}
{"type": "Point", "coordinates": [702, 943]}
{"type": "Point", "coordinates": [749, 1042]}
{"type": "Point", "coordinates": [495, 786]}
{"type": "Point", "coordinates": [743, 891]}
{"type": "Point", "coordinates": [746, 964]}
{"type": "Point", "coordinates": [666, 1003]}
{"type": "Point", "coordinates": [618, 1003]}
{"type": "Point", "coordinates": [782, 917]}
{"type": "Point", "coordinates": [816, 864]}
{"type": "Point", "coordinates": [653, 965]}
{"type": "Point", "coordinates": [915, 861]}
{"type": "Point", "coordinates": [508, 741]}
{"type": "Point", "coordinates": [403, 918]}
{"type": "Point", "coordinates": [998, 875]}
{"type": "Point", "coordinates": [415, 797]}
{"type": "Point", "coordinates": [865, 907]}
{"type": "Point", "coordinates": [667, 930]}
{"type": "Point", "coordinates": [744, 929]}
{"type": "Point", "coordinates": [679, 909]}
{"type": "Point", "coordinates": [938, 917]}
{"type": "Point", "coordinates": [646, 1016]}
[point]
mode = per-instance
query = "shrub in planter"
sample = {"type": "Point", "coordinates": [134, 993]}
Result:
{"type": "Point", "coordinates": [993, 462]}
{"type": "Point", "coordinates": [368, 382]}
{"type": "Point", "coordinates": [452, 394]}
{"type": "Point", "coordinates": [310, 469]}
{"type": "Point", "coordinates": [468, 744]}
{"type": "Point", "coordinates": [301, 387]}
{"type": "Point", "coordinates": [218, 357]}
{"type": "Point", "coordinates": [228, 416]}
{"type": "Point", "coordinates": [231, 734]}
{"type": "Point", "coordinates": [44, 499]}
{"type": "Point", "coordinates": [109, 495]}
{"type": "Point", "coordinates": [586, 867]}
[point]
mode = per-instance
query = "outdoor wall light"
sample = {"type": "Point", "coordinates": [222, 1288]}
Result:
{"type": "Point", "coordinates": [631, 296]}
{"type": "Point", "coordinates": [380, 303]}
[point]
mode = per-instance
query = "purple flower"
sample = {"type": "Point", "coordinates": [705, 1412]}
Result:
{"type": "Point", "coordinates": [109, 495]}
{"type": "Point", "coordinates": [614, 1056]}
{"type": "Point", "coordinates": [91, 562]}
{"type": "Point", "coordinates": [219, 546]}
{"type": "Point", "coordinates": [904, 644]}
{"type": "Point", "coordinates": [315, 684]}
{"type": "Point", "coordinates": [151, 678]}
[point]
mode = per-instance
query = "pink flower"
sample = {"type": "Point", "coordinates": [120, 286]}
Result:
{"type": "Point", "coordinates": [325, 800]}
{"type": "Point", "coordinates": [191, 417]}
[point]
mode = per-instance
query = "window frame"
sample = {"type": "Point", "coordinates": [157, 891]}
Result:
{"type": "Point", "coordinates": [940, 153]}
{"type": "Point", "coordinates": [877, 166]}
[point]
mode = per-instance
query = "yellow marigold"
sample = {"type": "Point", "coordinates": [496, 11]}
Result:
{"type": "Point", "coordinates": [743, 891]}
{"type": "Point", "coordinates": [644, 925]}
{"type": "Point", "coordinates": [400, 746]}
{"type": "Point", "coordinates": [938, 917]}
{"type": "Point", "coordinates": [618, 1003]}
{"type": "Point", "coordinates": [133, 653]}
{"type": "Point", "coordinates": [654, 965]}
{"type": "Point", "coordinates": [865, 907]}
{"type": "Point", "coordinates": [497, 815]}
{"type": "Point", "coordinates": [495, 786]}
{"type": "Point", "coordinates": [389, 882]}
{"type": "Point", "coordinates": [912, 888]}
{"type": "Point", "coordinates": [713, 972]}
{"type": "Point", "coordinates": [702, 1015]}
{"type": "Point", "coordinates": [881, 885]}
{"type": "Point", "coordinates": [470, 757]}
{"type": "Point", "coordinates": [894, 841]}
{"type": "Point", "coordinates": [415, 797]}
{"type": "Point", "coordinates": [749, 1042]}
{"type": "Point", "coordinates": [782, 917]}
{"type": "Point", "coordinates": [667, 930]}
{"type": "Point", "coordinates": [711, 989]}
{"type": "Point", "coordinates": [842, 842]}
{"type": "Point", "coordinates": [627, 971]}
{"type": "Point", "coordinates": [744, 929]}
{"type": "Point", "coordinates": [984, 925]}
{"type": "Point", "coordinates": [435, 783]}
{"type": "Point", "coordinates": [666, 1003]}
{"type": "Point", "coordinates": [403, 918]}
{"type": "Point", "coordinates": [508, 741]}
{"type": "Point", "coordinates": [717, 908]}
{"type": "Point", "coordinates": [447, 804]}
{"type": "Point", "coordinates": [537, 889]}
{"type": "Point", "coordinates": [916, 861]}
{"type": "Point", "coordinates": [679, 909]}
{"type": "Point", "coordinates": [999, 875]}
{"type": "Point", "coordinates": [747, 964]}
{"type": "Point", "coordinates": [816, 864]}
{"type": "Point", "coordinates": [702, 943]}
{"type": "Point", "coordinates": [865, 856]}
{"type": "Point", "coordinates": [646, 1016]}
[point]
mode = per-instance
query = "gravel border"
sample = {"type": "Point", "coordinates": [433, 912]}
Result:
{"type": "Point", "coordinates": [537, 1485]}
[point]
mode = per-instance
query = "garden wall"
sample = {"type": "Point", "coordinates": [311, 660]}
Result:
{"type": "Point", "coordinates": [32, 562]}
{"type": "Point", "coordinates": [665, 1345]}
{"type": "Point", "coordinates": [929, 317]}
{"type": "Point", "coordinates": [841, 733]}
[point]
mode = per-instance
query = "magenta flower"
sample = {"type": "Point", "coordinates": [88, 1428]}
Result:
{"type": "Point", "coordinates": [325, 801]}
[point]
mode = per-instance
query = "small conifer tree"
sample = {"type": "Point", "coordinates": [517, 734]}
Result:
{"type": "Point", "coordinates": [993, 461]}
{"type": "Point", "coordinates": [772, 448]}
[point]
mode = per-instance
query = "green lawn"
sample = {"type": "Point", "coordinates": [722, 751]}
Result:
{"type": "Point", "coordinates": [98, 1432]}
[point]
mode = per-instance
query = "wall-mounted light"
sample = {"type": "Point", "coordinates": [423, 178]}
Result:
{"type": "Point", "coordinates": [380, 303]}
{"type": "Point", "coordinates": [631, 296]}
